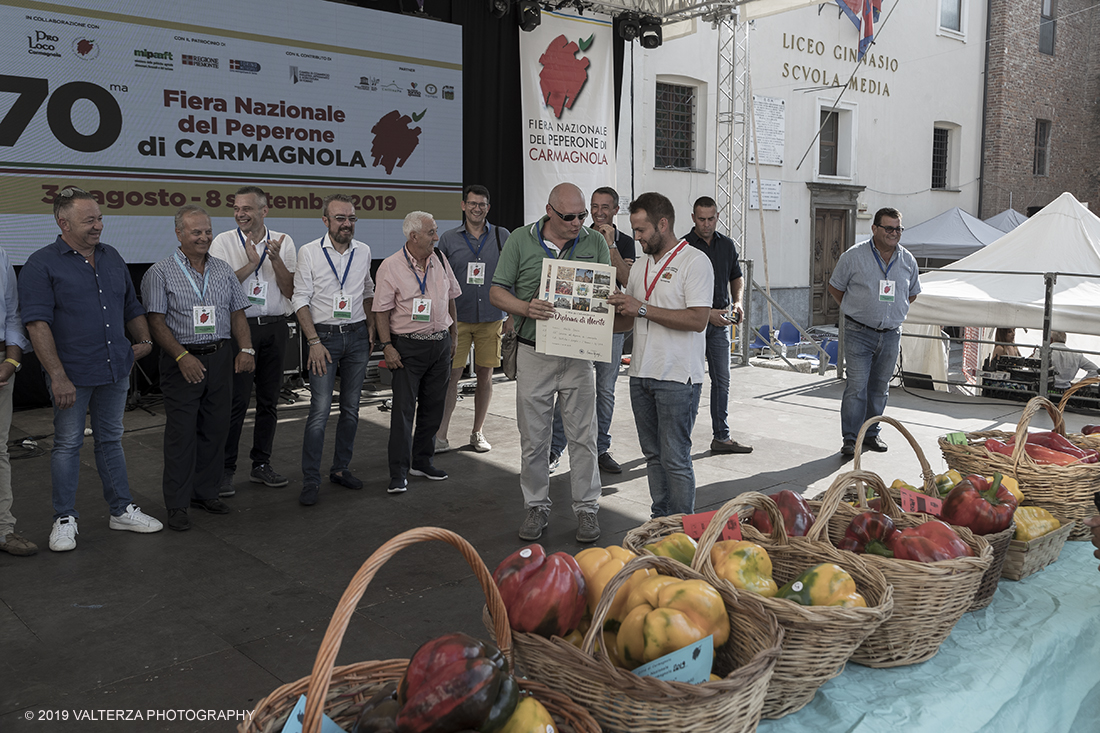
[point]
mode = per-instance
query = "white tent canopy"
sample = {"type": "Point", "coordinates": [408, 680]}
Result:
{"type": "Point", "coordinates": [1009, 291]}
{"type": "Point", "coordinates": [1007, 220]}
{"type": "Point", "coordinates": [950, 236]}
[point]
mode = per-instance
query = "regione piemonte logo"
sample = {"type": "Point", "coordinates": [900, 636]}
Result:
{"type": "Point", "coordinates": [563, 75]}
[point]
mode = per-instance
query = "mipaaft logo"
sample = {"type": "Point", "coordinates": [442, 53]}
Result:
{"type": "Point", "coordinates": [563, 75]}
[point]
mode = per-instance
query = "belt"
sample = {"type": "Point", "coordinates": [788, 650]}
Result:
{"type": "Point", "coordinates": [876, 330]}
{"type": "Point", "coordinates": [528, 342]}
{"type": "Point", "coordinates": [437, 336]}
{"type": "Point", "coordinates": [265, 320]}
{"type": "Point", "coordinates": [339, 327]}
{"type": "Point", "coordinates": [204, 349]}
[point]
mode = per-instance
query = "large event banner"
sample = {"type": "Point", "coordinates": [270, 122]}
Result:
{"type": "Point", "coordinates": [568, 93]}
{"type": "Point", "coordinates": [153, 105]}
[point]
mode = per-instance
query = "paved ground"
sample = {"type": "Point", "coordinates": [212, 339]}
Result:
{"type": "Point", "coordinates": [218, 617]}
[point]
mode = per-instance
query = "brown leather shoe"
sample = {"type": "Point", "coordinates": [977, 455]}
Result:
{"type": "Point", "coordinates": [17, 544]}
{"type": "Point", "coordinates": [728, 446]}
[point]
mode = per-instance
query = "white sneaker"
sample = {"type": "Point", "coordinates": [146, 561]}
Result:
{"type": "Point", "coordinates": [477, 440]}
{"type": "Point", "coordinates": [63, 535]}
{"type": "Point", "coordinates": [135, 520]}
{"type": "Point", "coordinates": [442, 446]}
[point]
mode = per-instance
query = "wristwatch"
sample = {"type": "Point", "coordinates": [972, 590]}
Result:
{"type": "Point", "coordinates": [250, 352]}
{"type": "Point", "coordinates": [641, 311]}
{"type": "Point", "coordinates": [384, 344]}
{"type": "Point", "coordinates": [14, 363]}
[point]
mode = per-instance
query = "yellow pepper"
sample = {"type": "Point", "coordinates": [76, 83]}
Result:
{"type": "Point", "coordinates": [1034, 521]}
{"type": "Point", "coordinates": [826, 584]}
{"type": "Point", "coordinates": [1012, 485]}
{"type": "Point", "coordinates": [947, 481]}
{"type": "Point", "coordinates": [668, 614]}
{"type": "Point", "coordinates": [744, 564]}
{"type": "Point", "coordinates": [599, 565]}
{"type": "Point", "coordinates": [899, 484]}
{"type": "Point", "coordinates": [677, 545]}
{"type": "Point", "coordinates": [530, 716]}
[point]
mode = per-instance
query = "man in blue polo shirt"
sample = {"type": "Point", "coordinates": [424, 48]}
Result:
{"type": "Point", "coordinates": [78, 302]}
{"type": "Point", "coordinates": [874, 283]}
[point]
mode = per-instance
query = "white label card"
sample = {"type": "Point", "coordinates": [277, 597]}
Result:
{"type": "Point", "coordinates": [886, 291]}
{"type": "Point", "coordinates": [257, 292]}
{"type": "Point", "coordinates": [422, 309]}
{"type": "Point", "coordinates": [341, 306]}
{"type": "Point", "coordinates": [475, 273]}
{"type": "Point", "coordinates": [203, 319]}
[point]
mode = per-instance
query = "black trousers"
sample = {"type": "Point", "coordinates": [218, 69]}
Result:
{"type": "Point", "coordinates": [269, 341]}
{"type": "Point", "coordinates": [420, 388]}
{"type": "Point", "coordinates": [197, 419]}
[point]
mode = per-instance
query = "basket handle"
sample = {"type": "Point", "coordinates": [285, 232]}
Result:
{"type": "Point", "coordinates": [1073, 388]}
{"type": "Point", "coordinates": [321, 677]}
{"type": "Point", "coordinates": [926, 473]}
{"type": "Point", "coordinates": [834, 495]}
{"type": "Point", "coordinates": [732, 508]}
{"type": "Point", "coordinates": [1029, 412]}
{"type": "Point", "coordinates": [663, 565]}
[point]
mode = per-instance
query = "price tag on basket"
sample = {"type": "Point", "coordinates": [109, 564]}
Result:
{"type": "Point", "coordinates": [691, 664]}
{"type": "Point", "coordinates": [955, 438]}
{"type": "Point", "coordinates": [912, 501]}
{"type": "Point", "coordinates": [696, 524]}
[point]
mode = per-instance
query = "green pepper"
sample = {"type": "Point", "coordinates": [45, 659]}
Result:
{"type": "Point", "coordinates": [677, 545]}
{"type": "Point", "coordinates": [826, 584]}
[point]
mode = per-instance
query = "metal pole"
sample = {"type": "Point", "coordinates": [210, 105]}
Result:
{"type": "Point", "coordinates": [746, 274]}
{"type": "Point", "coordinates": [1049, 279]}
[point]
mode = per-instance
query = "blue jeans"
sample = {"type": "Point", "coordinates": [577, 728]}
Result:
{"type": "Point", "coordinates": [350, 351]}
{"type": "Point", "coordinates": [869, 359]}
{"type": "Point", "coordinates": [107, 403]}
{"type": "Point", "coordinates": [606, 374]}
{"type": "Point", "coordinates": [718, 364]}
{"type": "Point", "coordinates": [664, 435]}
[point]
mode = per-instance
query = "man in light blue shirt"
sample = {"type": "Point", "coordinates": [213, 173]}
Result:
{"type": "Point", "coordinates": [874, 283]}
{"type": "Point", "coordinates": [14, 343]}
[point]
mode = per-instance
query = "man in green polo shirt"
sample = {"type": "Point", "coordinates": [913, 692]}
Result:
{"type": "Point", "coordinates": [539, 377]}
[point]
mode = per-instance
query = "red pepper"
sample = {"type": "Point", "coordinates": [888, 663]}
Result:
{"type": "Point", "coordinates": [797, 517]}
{"type": "Point", "coordinates": [543, 595]}
{"type": "Point", "coordinates": [930, 542]}
{"type": "Point", "coordinates": [1058, 442]}
{"type": "Point", "coordinates": [980, 506]}
{"type": "Point", "coordinates": [1090, 429]}
{"type": "Point", "coordinates": [1037, 452]}
{"type": "Point", "coordinates": [869, 533]}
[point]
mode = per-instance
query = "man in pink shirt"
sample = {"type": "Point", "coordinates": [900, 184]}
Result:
{"type": "Point", "coordinates": [415, 311]}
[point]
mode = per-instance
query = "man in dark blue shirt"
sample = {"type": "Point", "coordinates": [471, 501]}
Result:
{"type": "Point", "coordinates": [78, 301]}
{"type": "Point", "coordinates": [725, 310]}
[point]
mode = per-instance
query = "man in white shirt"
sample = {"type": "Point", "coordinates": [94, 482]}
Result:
{"type": "Point", "coordinates": [333, 296]}
{"type": "Point", "coordinates": [264, 263]}
{"type": "Point", "coordinates": [667, 300]}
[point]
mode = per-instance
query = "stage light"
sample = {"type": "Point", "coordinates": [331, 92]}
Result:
{"type": "Point", "coordinates": [629, 27]}
{"type": "Point", "coordinates": [528, 15]}
{"type": "Point", "coordinates": [499, 8]}
{"type": "Point", "coordinates": [651, 33]}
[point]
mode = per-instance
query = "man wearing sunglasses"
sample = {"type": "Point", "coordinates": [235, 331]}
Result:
{"type": "Point", "coordinates": [333, 296]}
{"type": "Point", "coordinates": [874, 283]}
{"type": "Point", "coordinates": [539, 377]}
{"type": "Point", "coordinates": [78, 303]}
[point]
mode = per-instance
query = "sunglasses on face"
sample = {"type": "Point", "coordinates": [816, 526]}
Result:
{"type": "Point", "coordinates": [893, 230]}
{"type": "Point", "coordinates": [568, 217]}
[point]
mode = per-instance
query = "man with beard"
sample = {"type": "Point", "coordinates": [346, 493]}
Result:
{"type": "Point", "coordinates": [605, 206]}
{"type": "Point", "coordinates": [668, 299]}
{"type": "Point", "coordinates": [264, 263]}
{"type": "Point", "coordinates": [333, 296]}
{"type": "Point", "coordinates": [541, 377]}
{"type": "Point", "coordinates": [194, 303]}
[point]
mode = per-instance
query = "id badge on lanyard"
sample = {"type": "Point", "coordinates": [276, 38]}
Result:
{"type": "Point", "coordinates": [341, 306]}
{"type": "Point", "coordinates": [886, 291]}
{"type": "Point", "coordinates": [475, 273]}
{"type": "Point", "coordinates": [422, 309]}
{"type": "Point", "coordinates": [257, 292]}
{"type": "Point", "coordinates": [204, 318]}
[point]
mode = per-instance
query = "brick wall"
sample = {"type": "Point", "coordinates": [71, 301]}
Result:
{"type": "Point", "coordinates": [1024, 85]}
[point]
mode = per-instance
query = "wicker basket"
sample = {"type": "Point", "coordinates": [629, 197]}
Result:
{"type": "Point", "coordinates": [343, 690]}
{"type": "Point", "coordinates": [998, 542]}
{"type": "Point", "coordinates": [1063, 490]}
{"type": "Point", "coordinates": [1025, 558]}
{"type": "Point", "coordinates": [929, 598]}
{"type": "Point", "coordinates": [652, 531]}
{"type": "Point", "coordinates": [818, 640]}
{"type": "Point", "coordinates": [622, 701]}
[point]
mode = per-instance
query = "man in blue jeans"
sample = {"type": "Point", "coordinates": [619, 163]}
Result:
{"type": "Point", "coordinates": [604, 207]}
{"type": "Point", "coordinates": [78, 302]}
{"type": "Point", "coordinates": [667, 299]}
{"type": "Point", "coordinates": [333, 296]}
{"type": "Point", "coordinates": [725, 309]}
{"type": "Point", "coordinates": [874, 283]}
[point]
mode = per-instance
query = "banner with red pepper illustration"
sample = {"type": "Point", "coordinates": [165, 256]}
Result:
{"type": "Point", "coordinates": [568, 94]}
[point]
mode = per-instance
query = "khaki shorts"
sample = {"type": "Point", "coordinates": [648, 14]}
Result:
{"type": "Point", "coordinates": [486, 340]}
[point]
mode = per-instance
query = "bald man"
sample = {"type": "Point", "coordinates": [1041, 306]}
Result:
{"type": "Point", "coordinates": [541, 378]}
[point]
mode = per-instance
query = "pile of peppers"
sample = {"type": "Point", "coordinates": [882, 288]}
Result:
{"type": "Point", "coordinates": [1046, 447]}
{"type": "Point", "coordinates": [796, 513]}
{"type": "Point", "coordinates": [980, 505]}
{"type": "Point", "coordinates": [875, 533]}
